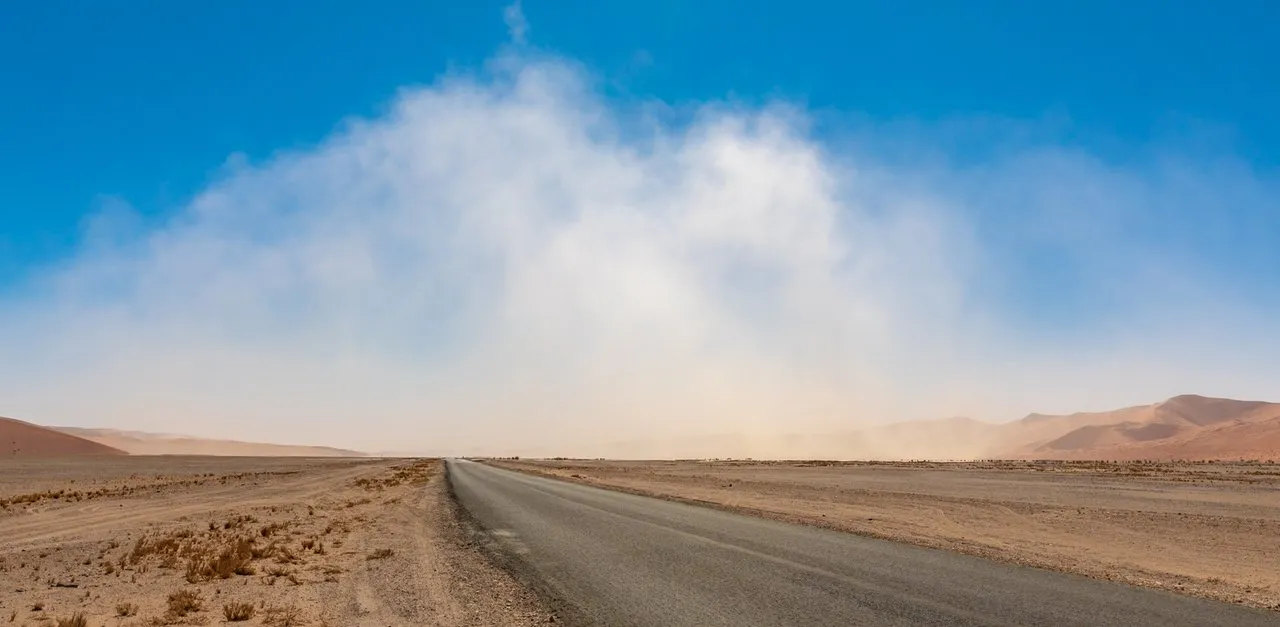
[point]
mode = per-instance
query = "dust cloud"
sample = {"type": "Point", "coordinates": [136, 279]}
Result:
{"type": "Point", "coordinates": [508, 261]}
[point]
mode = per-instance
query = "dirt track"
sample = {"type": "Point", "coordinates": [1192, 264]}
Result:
{"type": "Point", "coordinates": [1210, 530]}
{"type": "Point", "coordinates": [302, 541]}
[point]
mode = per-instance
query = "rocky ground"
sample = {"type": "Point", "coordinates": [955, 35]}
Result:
{"type": "Point", "coordinates": [174, 541]}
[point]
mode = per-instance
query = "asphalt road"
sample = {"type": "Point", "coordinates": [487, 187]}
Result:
{"type": "Point", "coordinates": [618, 559]}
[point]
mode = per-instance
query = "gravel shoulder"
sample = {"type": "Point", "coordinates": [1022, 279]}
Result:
{"type": "Point", "coordinates": [1207, 530]}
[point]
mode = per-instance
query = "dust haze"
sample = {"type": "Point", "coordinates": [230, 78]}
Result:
{"type": "Point", "coordinates": [508, 260]}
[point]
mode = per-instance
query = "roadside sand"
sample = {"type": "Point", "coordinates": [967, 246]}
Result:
{"type": "Point", "coordinates": [300, 541]}
{"type": "Point", "coordinates": [1210, 530]}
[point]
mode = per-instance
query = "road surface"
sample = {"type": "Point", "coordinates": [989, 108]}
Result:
{"type": "Point", "coordinates": [619, 559]}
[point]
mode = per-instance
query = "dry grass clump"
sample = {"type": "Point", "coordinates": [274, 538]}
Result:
{"type": "Point", "coordinates": [278, 571]}
{"type": "Point", "coordinates": [184, 602]}
{"type": "Point", "coordinates": [276, 616]}
{"type": "Point", "coordinates": [270, 529]}
{"type": "Point", "coordinates": [380, 554]}
{"type": "Point", "coordinates": [234, 559]}
{"type": "Point", "coordinates": [416, 473]}
{"type": "Point", "coordinates": [126, 609]}
{"type": "Point", "coordinates": [237, 612]}
{"type": "Point", "coordinates": [76, 620]}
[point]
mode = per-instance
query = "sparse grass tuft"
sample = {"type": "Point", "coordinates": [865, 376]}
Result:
{"type": "Point", "coordinates": [289, 616]}
{"type": "Point", "coordinates": [76, 620]}
{"type": "Point", "coordinates": [236, 612]}
{"type": "Point", "coordinates": [125, 610]}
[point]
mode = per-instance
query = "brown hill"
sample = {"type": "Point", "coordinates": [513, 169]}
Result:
{"type": "Point", "coordinates": [18, 438]}
{"type": "Point", "coordinates": [140, 443]}
{"type": "Point", "coordinates": [1183, 427]}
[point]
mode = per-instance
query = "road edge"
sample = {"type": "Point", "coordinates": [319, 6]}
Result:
{"type": "Point", "coordinates": [476, 536]}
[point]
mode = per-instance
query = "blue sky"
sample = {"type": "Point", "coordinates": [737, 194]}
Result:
{"type": "Point", "coordinates": [1097, 181]}
{"type": "Point", "coordinates": [143, 102]}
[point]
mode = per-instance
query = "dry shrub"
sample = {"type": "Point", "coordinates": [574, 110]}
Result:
{"type": "Point", "coordinates": [76, 620]}
{"type": "Point", "coordinates": [276, 616]}
{"type": "Point", "coordinates": [232, 560]}
{"type": "Point", "coordinates": [126, 610]}
{"type": "Point", "coordinates": [184, 602]}
{"type": "Point", "coordinates": [236, 612]}
{"type": "Point", "coordinates": [308, 544]}
{"type": "Point", "coordinates": [285, 556]}
{"type": "Point", "coordinates": [144, 547]}
{"type": "Point", "coordinates": [381, 554]}
{"type": "Point", "coordinates": [259, 552]}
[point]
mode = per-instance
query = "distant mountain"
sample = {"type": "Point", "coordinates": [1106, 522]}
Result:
{"type": "Point", "coordinates": [141, 443]}
{"type": "Point", "coordinates": [18, 438]}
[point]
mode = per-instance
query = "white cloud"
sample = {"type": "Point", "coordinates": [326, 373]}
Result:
{"type": "Point", "coordinates": [517, 26]}
{"type": "Point", "coordinates": [508, 260]}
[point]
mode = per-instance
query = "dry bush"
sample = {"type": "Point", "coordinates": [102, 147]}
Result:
{"type": "Point", "coordinates": [259, 552]}
{"type": "Point", "coordinates": [381, 554]}
{"type": "Point", "coordinates": [278, 571]}
{"type": "Point", "coordinates": [76, 620]}
{"type": "Point", "coordinates": [126, 609]}
{"type": "Point", "coordinates": [162, 546]}
{"type": "Point", "coordinates": [308, 544]}
{"type": "Point", "coordinates": [234, 559]}
{"type": "Point", "coordinates": [236, 612]}
{"type": "Point", "coordinates": [276, 616]}
{"type": "Point", "coordinates": [184, 602]}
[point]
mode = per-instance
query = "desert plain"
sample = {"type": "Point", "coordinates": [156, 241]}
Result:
{"type": "Point", "coordinates": [96, 530]}
{"type": "Point", "coordinates": [135, 540]}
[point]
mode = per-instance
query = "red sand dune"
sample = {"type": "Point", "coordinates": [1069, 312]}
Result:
{"type": "Point", "coordinates": [1183, 427]}
{"type": "Point", "coordinates": [28, 440]}
{"type": "Point", "coordinates": [140, 443]}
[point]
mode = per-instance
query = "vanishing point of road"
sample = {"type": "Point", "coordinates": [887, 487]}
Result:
{"type": "Point", "coordinates": [616, 559]}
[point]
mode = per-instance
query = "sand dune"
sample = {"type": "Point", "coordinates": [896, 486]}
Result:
{"type": "Point", "coordinates": [1183, 427]}
{"type": "Point", "coordinates": [18, 438]}
{"type": "Point", "coordinates": [141, 443]}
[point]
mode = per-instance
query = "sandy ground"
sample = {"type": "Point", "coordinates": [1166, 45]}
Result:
{"type": "Point", "coordinates": [1210, 530]}
{"type": "Point", "coordinates": [153, 541]}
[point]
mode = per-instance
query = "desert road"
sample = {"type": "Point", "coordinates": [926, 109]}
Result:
{"type": "Point", "coordinates": [617, 559]}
